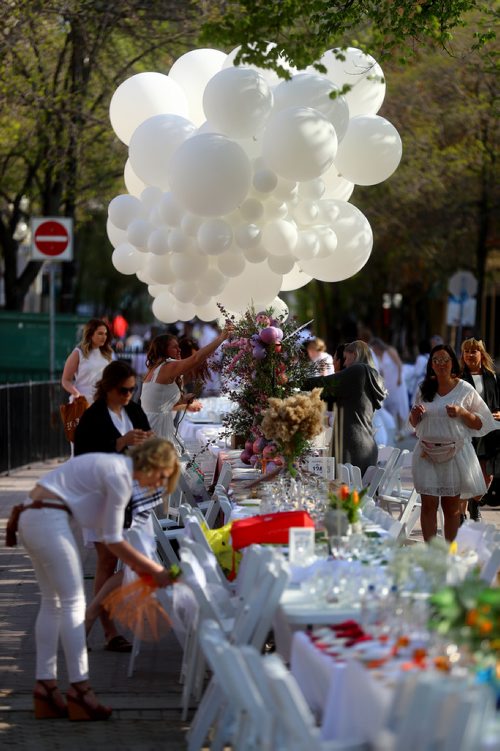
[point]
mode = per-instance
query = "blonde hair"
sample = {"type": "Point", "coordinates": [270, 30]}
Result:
{"type": "Point", "coordinates": [156, 453]}
{"type": "Point", "coordinates": [362, 352]}
{"type": "Point", "coordinates": [88, 332]}
{"type": "Point", "coordinates": [486, 359]}
{"type": "Point", "coordinates": [318, 344]}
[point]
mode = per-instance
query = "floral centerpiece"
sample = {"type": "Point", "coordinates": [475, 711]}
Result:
{"type": "Point", "coordinates": [347, 501]}
{"type": "Point", "coordinates": [264, 359]}
{"type": "Point", "coordinates": [291, 424]}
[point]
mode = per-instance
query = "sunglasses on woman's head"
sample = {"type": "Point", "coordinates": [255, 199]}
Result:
{"type": "Point", "coordinates": [126, 390]}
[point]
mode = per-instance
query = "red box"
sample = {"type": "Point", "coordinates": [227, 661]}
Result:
{"type": "Point", "coordinates": [267, 528]}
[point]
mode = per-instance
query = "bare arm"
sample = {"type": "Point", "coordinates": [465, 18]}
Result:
{"type": "Point", "coordinates": [468, 418]}
{"type": "Point", "coordinates": [139, 563]}
{"type": "Point", "coordinates": [69, 372]}
{"type": "Point", "coordinates": [172, 370]}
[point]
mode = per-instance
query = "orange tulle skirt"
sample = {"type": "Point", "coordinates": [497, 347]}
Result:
{"type": "Point", "coordinates": [136, 607]}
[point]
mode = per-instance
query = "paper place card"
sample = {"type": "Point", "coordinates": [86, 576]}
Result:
{"type": "Point", "coordinates": [301, 545]}
{"type": "Point", "coordinates": [324, 466]}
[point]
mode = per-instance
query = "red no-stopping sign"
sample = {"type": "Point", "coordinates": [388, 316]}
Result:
{"type": "Point", "coordinates": [52, 239]}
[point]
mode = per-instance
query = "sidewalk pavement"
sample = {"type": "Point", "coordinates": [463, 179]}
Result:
{"type": "Point", "coordinates": [146, 712]}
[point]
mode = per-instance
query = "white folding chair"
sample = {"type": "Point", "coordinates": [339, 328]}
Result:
{"type": "Point", "coordinates": [225, 476]}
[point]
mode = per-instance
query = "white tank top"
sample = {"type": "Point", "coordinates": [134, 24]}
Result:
{"type": "Point", "coordinates": [89, 372]}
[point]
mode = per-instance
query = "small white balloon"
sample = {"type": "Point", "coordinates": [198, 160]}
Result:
{"type": "Point", "coordinates": [265, 180]}
{"type": "Point", "coordinates": [370, 152]}
{"type": "Point", "coordinates": [214, 236]}
{"type": "Point", "coordinates": [184, 291]}
{"type": "Point", "coordinates": [252, 209]}
{"type": "Point", "coordinates": [158, 242]}
{"type": "Point", "coordinates": [237, 101]}
{"type": "Point", "coordinates": [281, 264]}
{"type": "Point", "coordinates": [190, 224]}
{"type": "Point", "coordinates": [116, 236]}
{"type": "Point", "coordinates": [178, 242]}
{"type": "Point", "coordinates": [279, 309]}
{"type": "Point", "coordinates": [247, 236]}
{"type": "Point", "coordinates": [200, 300]}
{"type": "Point", "coordinates": [299, 143]}
{"type": "Point", "coordinates": [212, 282]}
{"type": "Point", "coordinates": [208, 312]}
{"type": "Point", "coordinates": [362, 73]}
{"type": "Point", "coordinates": [156, 289]}
{"type": "Point", "coordinates": [152, 145]}
{"type": "Point", "coordinates": [143, 274]}
{"type": "Point", "coordinates": [159, 269]}
{"type": "Point", "coordinates": [231, 263]}
{"type": "Point", "coordinates": [192, 71]}
{"type": "Point", "coordinates": [312, 189]}
{"type": "Point", "coordinates": [188, 266]}
{"type": "Point", "coordinates": [255, 253]}
{"type": "Point", "coordinates": [123, 209]}
{"type": "Point", "coordinates": [306, 212]}
{"type": "Point", "coordinates": [295, 279]}
{"type": "Point", "coordinates": [210, 174]}
{"type": "Point", "coordinates": [142, 96]}
{"type": "Point", "coordinates": [327, 241]}
{"type": "Point", "coordinates": [126, 259]}
{"type": "Point", "coordinates": [170, 210]}
{"type": "Point", "coordinates": [186, 311]}
{"type": "Point", "coordinates": [164, 307]}
{"type": "Point", "coordinates": [270, 75]}
{"type": "Point", "coordinates": [308, 245]}
{"type": "Point", "coordinates": [138, 233]}
{"type": "Point", "coordinates": [151, 197]}
{"type": "Point", "coordinates": [274, 210]}
{"type": "Point", "coordinates": [285, 190]}
{"type": "Point", "coordinates": [314, 90]}
{"type": "Point", "coordinates": [279, 237]}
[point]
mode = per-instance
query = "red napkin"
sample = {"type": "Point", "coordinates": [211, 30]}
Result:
{"type": "Point", "coordinates": [345, 625]}
{"type": "Point", "coordinates": [358, 640]}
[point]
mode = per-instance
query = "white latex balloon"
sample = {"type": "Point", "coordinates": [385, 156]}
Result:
{"type": "Point", "coordinates": [143, 274]}
{"type": "Point", "coordinates": [138, 232]}
{"type": "Point", "coordinates": [192, 71]}
{"type": "Point", "coordinates": [159, 269]}
{"type": "Point", "coordinates": [170, 210]}
{"type": "Point", "coordinates": [190, 224]}
{"type": "Point", "coordinates": [156, 289]}
{"type": "Point", "coordinates": [257, 282]}
{"type": "Point", "coordinates": [255, 253]}
{"type": "Point", "coordinates": [126, 259]}
{"type": "Point", "coordinates": [354, 245]}
{"type": "Point", "coordinates": [116, 236]}
{"type": "Point", "coordinates": [308, 245]}
{"type": "Point", "coordinates": [124, 209]}
{"type": "Point", "coordinates": [247, 236]}
{"type": "Point", "coordinates": [270, 76]}
{"type": "Point", "coordinates": [327, 241]}
{"type": "Point", "coordinates": [134, 184]}
{"type": "Point", "coordinates": [200, 300]}
{"type": "Point", "coordinates": [265, 180]}
{"type": "Point", "coordinates": [188, 266]}
{"type": "Point", "coordinates": [279, 308]}
{"type": "Point", "coordinates": [210, 175]}
{"type": "Point", "coordinates": [363, 74]}
{"type": "Point", "coordinates": [152, 145]}
{"type": "Point", "coordinates": [231, 263]}
{"type": "Point", "coordinates": [237, 101]}
{"type": "Point", "coordinates": [337, 186]}
{"type": "Point", "coordinates": [214, 236]}
{"type": "Point", "coordinates": [295, 279]}
{"type": "Point", "coordinates": [158, 241]}
{"type": "Point", "coordinates": [251, 209]}
{"type": "Point", "coordinates": [312, 189]}
{"type": "Point", "coordinates": [279, 237]}
{"type": "Point", "coordinates": [142, 96]}
{"type": "Point", "coordinates": [313, 90]}
{"type": "Point", "coordinates": [370, 152]}
{"type": "Point", "coordinates": [212, 282]}
{"type": "Point", "coordinates": [208, 312]}
{"type": "Point", "coordinates": [299, 143]}
{"type": "Point", "coordinates": [164, 307]}
{"type": "Point", "coordinates": [281, 264]}
{"type": "Point", "coordinates": [274, 210]}
{"type": "Point", "coordinates": [186, 311]}
{"type": "Point", "coordinates": [184, 291]}
{"type": "Point", "coordinates": [285, 190]}
{"type": "Point", "coordinates": [306, 212]}
{"type": "Point", "coordinates": [178, 242]}
{"type": "Point", "coordinates": [151, 197]}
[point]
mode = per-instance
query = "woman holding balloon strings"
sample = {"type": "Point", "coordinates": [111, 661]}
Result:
{"type": "Point", "coordinates": [161, 388]}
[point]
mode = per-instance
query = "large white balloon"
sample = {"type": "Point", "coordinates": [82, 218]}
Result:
{"type": "Point", "coordinates": [279, 237]}
{"type": "Point", "coordinates": [270, 76]}
{"type": "Point", "coordinates": [279, 308]}
{"type": "Point", "coordinates": [126, 259]}
{"type": "Point", "coordinates": [134, 184]}
{"type": "Point", "coordinates": [210, 174]}
{"type": "Point", "coordinates": [295, 279]}
{"type": "Point", "coordinates": [208, 312]}
{"type": "Point", "coordinates": [142, 96]}
{"type": "Point", "coordinates": [255, 253]}
{"type": "Point", "coordinates": [212, 282]}
{"type": "Point", "coordinates": [159, 269]}
{"type": "Point", "coordinates": [115, 236]}
{"type": "Point", "coordinates": [281, 264]}
{"type": "Point", "coordinates": [257, 282]}
{"type": "Point", "coordinates": [152, 145]}
{"type": "Point", "coordinates": [308, 245]}
{"type": "Point", "coordinates": [337, 186]}
{"type": "Point", "coordinates": [124, 209]}
{"type": "Point", "coordinates": [231, 263]}
{"type": "Point", "coordinates": [354, 245]}
{"type": "Point", "coordinates": [184, 291]}
{"type": "Point", "coordinates": [362, 73]}
{"type": "Point", "coordinates": [164, 307]}
{"type": "Point", "coordinates": [237, 101]}
{"type": "Point", "coordinates": [214, 236]}
{"type": "Point", "coordinates": [299, 143]}
{"type": "Point", "coordinates": [192, 71]}
{"type": "Point", "coordinates": [313, 90]}
{"type": "Point", "coordinates": [370, 152]}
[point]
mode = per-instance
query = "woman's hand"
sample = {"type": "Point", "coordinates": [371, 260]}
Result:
{"type": "Point", "coordinates": [226, 331]}
{"type": "Point", "coordinates": [162, 578]}
{"type": "Point", "coordinates": [468, 418]}
{"type": "Point", "coordinates": [416, 413]}
{"type": "Point", "coordinates": [453, 410]}
{"type": "Point", "coordinates": [194, 406]}
{"type": "Point", "coordinates": [133, 438]}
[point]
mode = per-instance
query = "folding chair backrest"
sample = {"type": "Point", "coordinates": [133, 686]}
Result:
{"type": "Point", "coordinates": [225, 476]}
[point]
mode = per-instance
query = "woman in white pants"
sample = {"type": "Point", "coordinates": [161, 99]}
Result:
{"type": "Point", "coordinates": [94, 489]}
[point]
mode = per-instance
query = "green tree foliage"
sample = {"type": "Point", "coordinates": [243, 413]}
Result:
{"type": "Point", "coordinates": [60, 61]}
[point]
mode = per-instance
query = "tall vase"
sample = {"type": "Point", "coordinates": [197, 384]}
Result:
{"type": "Point", "coordinates": [336, 523]}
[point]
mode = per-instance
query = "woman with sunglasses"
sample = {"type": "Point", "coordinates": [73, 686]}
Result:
{"type": "Point", "coordinates": [478, 370]}
{"type": "Point", "coordinates": [447, 414]}
{"type": "Point", "coordinates": [111, 425]}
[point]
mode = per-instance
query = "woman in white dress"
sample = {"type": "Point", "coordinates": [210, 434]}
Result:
{"type": "Point", "coordinates": [391, 370]}
{"type": "Point", "coordinates": [447, 414]}
{"type": "Point", "coordinates": [162, 385]}
{"type": "Point", "coordinates": [84, 366]}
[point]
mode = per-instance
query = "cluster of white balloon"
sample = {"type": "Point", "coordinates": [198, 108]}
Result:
{"type": "Point", "coordinates": [239, 182]}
